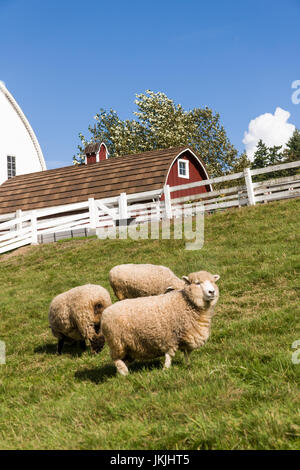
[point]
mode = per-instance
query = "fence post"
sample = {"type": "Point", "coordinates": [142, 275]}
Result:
{"type": "Point", "coordinates": [34, 235]}
{"type": "Point", "coordinates": [168, 204]}
{"type": "Point", "coordinates": [93, 213]}
{"type": "Point", "coordinates": [249, 186]}
{"type": "Point", "coordinates": [123, 212]}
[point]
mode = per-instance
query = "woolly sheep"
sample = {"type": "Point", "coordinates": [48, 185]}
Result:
{"type": "Point", "coordinates": [75, 315]}
{"type": "Point", "coordinates": [149, 327]}
{"type": "Point", "coordinates": [142, 280]}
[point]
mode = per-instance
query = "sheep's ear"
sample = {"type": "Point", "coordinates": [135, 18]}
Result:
{"type": "Point", "coordinates": [186, 279]}
{"type": "Point", "coordinates": [169, 289]}
{"type": "Point", "coordinates": [216, 277]}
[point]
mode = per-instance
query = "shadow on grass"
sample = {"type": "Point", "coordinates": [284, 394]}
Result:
{"type": "Point", "coordinates": [51, 348]}
{"type": "Point", "coordinates": [107, 371]}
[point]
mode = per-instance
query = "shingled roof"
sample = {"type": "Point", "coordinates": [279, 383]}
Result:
{"type": "Point", "coordinates": [93, 147]}
{"type": "Point", "coordinates": [129, 173]}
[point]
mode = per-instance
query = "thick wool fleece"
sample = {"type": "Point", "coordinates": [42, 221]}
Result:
{"type": "Point", "coordinates": [129, 281]}
{"type": "Point", "coordinates": [149, 327]}
{"type": "Point", "coordinates": [75, 314]}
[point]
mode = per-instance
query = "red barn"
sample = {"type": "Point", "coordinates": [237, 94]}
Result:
{"type": "Point", "coordinates": [103, 177]}
{"type": "Point", "coordinates": [95, 152]}
{"type": "Point", "coordinates": [187, 168]}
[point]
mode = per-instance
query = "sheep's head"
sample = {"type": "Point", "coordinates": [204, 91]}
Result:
{"type": "Point", "coordinates": [98, 309]}
{"type": "Point", "coordinates": [99, 305]}
{"type": "Point", "coordinates": [201, 289]}
{"type": "Point", "coordinates": [97, 343]}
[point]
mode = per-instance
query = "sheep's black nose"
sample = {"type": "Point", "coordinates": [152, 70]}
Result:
{"type": "Point", "coordinates": [211, 292]}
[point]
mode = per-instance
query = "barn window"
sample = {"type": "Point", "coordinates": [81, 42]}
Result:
{"type": "Point", "coordinates": [183, 168]}
{"type": "Point", "coordinates": [11, 166]}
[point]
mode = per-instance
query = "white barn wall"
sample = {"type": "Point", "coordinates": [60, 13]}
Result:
{"type": "Point", "coordinates": [17, 138]}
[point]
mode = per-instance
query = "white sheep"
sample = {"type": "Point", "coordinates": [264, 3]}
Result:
{"type": "Point", "coordinates": [75, 315]}
{"type": "Point", "coordinates": [149, 327]}
{"type": "Point", "coordinates": [129, 281]}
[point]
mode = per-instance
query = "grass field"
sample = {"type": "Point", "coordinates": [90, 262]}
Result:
{"type": "Point", "coordinates": [240, 391]}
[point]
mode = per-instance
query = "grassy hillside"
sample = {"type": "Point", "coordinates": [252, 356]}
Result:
{"type": "Point", "coordinates": [241, 390]}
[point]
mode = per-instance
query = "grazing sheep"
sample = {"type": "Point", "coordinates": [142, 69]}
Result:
{"type": "Point", "coordinates": [129, 281]}
{"type": "Point", "coordinates": [75, 315]}
{"type": "Point", "coordinates": [149, 327]}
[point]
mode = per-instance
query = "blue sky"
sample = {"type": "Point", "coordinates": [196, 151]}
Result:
{"type": "Point", "coordinates": [63, 60]}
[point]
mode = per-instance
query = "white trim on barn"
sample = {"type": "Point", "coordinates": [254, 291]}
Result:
{"type": "Point", "coordinates": [200, 163]}
{"type": "Point", "coordinates": [186, 168]}
{"type": "Point", "coordinates": [106, 150]}
{"type": "Point", "coordinates": [25, 123]}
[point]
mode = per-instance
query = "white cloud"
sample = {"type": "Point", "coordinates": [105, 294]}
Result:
{"type": "Point", "coordinates": [272, 129]}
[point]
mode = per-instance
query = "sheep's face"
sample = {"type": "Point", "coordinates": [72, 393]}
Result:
{"type": "Point", "coordinates": [97, 343]}
{"type": "Point", "coordinates": [98, 309]}
{"type": "Point", "coordinates": [99, 306]}
{"type": "Point", "coordinates": [201, 288]}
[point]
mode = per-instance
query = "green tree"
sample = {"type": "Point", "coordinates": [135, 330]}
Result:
{"type": "Point", "coordinates": [260, 156]}
{"type": "Point", "coordinates": [160, 123]}
{"type": "Point", "coordinates": [275, 155]}
{"type": "Point", "coordinates": [241, 163]}
{"type": "Point", "coordinates": [265, 156]}
{"type": "Point", "coordinates": [292, 151]}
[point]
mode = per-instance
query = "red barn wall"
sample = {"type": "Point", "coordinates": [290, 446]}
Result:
{"type": "Point", "coordinates": [91, 158]}
{"type": "Point", "coordinates": [102, 153]}
{"type": "Point", "coordinates": [196, 173]}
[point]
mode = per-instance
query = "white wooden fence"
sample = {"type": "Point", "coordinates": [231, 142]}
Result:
{"type": "Point", "coordinates": [32, 227]}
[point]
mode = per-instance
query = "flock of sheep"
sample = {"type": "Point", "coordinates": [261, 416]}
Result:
{"type": "Point", "coordinates": [156, 315]}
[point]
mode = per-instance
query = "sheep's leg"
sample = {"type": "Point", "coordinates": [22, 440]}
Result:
{"type": "Point", "coordinates": [127, 359]}
{"type": "Point", "coordinates": [82, 345]}
{"type": "Point", "coordinates": [60, 345]}
{"type": "Point", "coordinates": [187, 356]}
{"type": "Point", "coordinates": [121, 367]}
{"type": "Point", "coordinates": [168, 359]}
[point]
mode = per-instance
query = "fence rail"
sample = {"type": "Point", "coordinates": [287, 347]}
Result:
{"type": "Point", "coordinates": [31, 227]}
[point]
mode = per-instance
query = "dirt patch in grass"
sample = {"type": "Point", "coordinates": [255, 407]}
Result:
{"type": "Point", "coordinates": [24, 250]}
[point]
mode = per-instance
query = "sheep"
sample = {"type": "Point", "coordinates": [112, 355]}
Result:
{"type": "Point", "coordinates": [149, 327]}
{"type": "Point", "coordinates": [75, 315]}
{"type": "Point", "coordinates": [129, 281]}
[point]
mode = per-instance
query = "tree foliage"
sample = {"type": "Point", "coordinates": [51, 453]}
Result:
{"type": "Point", "coordinates": [292, 151]}
{"type": "Point", "coordinates": [159, 123]}
{"type": "Point", "coordinates": [265, 156]}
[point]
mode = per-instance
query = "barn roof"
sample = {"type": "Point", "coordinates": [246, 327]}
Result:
{"type": "Point", "coordinates": [129, 173]}
{"type": "Point", "coordinates": [93, 147]}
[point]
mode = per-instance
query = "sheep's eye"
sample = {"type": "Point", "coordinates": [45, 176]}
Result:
{"type": "Point", "coordinates": [198, 283]}
{"type": "Point", "coordinates": [98, 306]}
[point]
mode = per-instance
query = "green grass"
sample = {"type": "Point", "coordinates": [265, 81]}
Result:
{"type": "Point", "coordinates": [241, 390]}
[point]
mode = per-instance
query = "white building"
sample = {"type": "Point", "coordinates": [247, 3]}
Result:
{"type": "Point", "coordinates": [20, 151]}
